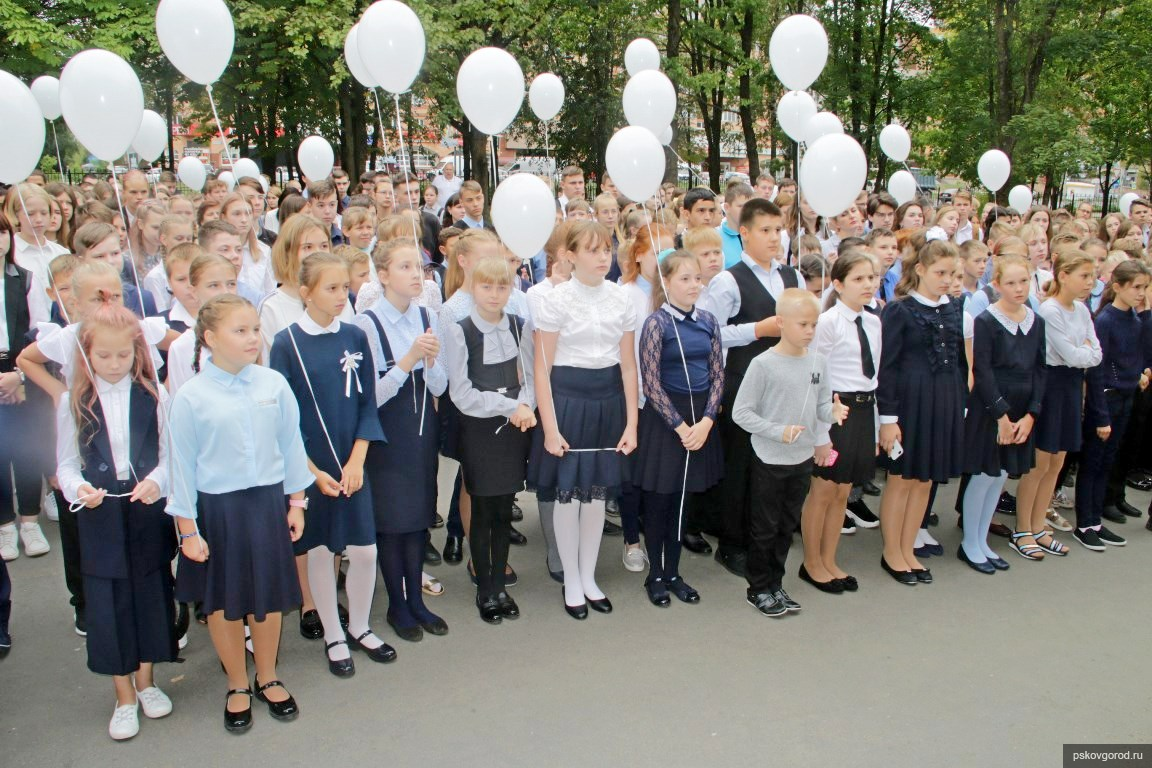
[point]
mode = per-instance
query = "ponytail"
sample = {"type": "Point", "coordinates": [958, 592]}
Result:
{"type": "Point", "coordinates": [927, 255]}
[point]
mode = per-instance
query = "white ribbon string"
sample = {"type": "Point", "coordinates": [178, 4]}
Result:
{"type": "Point", "coordinates": [59, 159]}
{"type": "Point", "coordinates": [316, 403]}
{"type": "Point", "coordinates": [350, 363]}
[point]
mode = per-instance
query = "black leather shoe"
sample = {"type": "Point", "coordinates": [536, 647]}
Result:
{"type": "Point", "coordinates": [999, 563]}
{"type": "Point", "coordinates": [683, 592]}
{"type": "Point", "coordinates": [409, 634]}
{"type": "Point", "coordinates": [431, 556]}
{"type": "Point", "coordinates": [923, 575]}
{"type": "Point", "coordinates": [516, 538]}
{"type": "Point", "coordinates": [341, 667]}
{"type": "Point", "coordinates": [382, 654]}
{"type": "Point", "coordinates": [907, 578]}
{"type": "Point", "coordinates": [508, 607]}
{"type": "Point", "coordinates": [1006, 504]}
{"type": "Point", "coordinates": [611, 529]}
{"type": "Point", "coordinates": [1128, 509]}
{"type": "Point", "coordinates": [557, 576]}
{"type": "Point", "coordinates": [453, 550]}
{"type": "Point", "coordinates": [657, 593]}
{"type": "Point", "coordinates": [603, 605]}
{"type": "Point", "coordinates": [1001, 530]}
{"type": "Point", "coordinates": [281, 710]}
{"type": "Point", "coordinates": [238, 722]}
{"type": "Point", "coordinates": [517, 513]}
{"type": "Point", "coordinates": [985, 567]}
{"type": "Point", "coordinates": [5, 637]}
{"type": "Point", "coordinates": [342, 612]}
{"type": "Point", "coordinates": [1113, 515]}
{"type": "Point", "coordinates": [849, 583]}
{"type": "Point", "coordinates": [832, 586]}
{"type": "Point", "coordinates": [789, 604]}
{"type": "Point", "coordinates": [870, 488]}
{"type": "Point", "coordinates": [578, 612]}
{"type": "Point", "coordinates": [311, 628]}
{"type": "Point", "coordinates": [437, 626]}
{"type": "Point", "coordinates": [437, 521]}
{"type": "Point", "coordinates": [489, 609]}
{"type": "Point", "coordinates": [735, 562]}
{"type": "Point", "coordinates": [697, 544]}
{"type": "Point", "coordinates": [767, 604]}
{"type": "Point", "coordinates": [1139, 480]}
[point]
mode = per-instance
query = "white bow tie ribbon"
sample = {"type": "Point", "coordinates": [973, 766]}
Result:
{"type": "Point", "coordinates": [350, 364]}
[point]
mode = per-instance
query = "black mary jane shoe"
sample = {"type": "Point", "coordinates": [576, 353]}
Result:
{"type": "Point", "coordinates": [436, 626]}
{"type": "Point", "coordinates": [923, 575]}
{"type": "Point", "coordinates": [431, 556]}
{"type": "Point", "coordinates": [578, 612]}
{"type": "Point", "coordinates": [657, 593]}
{"type": "Point", "coordinates": [489, 609]}
{"type": "Point", "coordinates": [311, 628]}
{"type": "Point", "coordinates": [453, 550]}
{"type": "Point", "coordinates": [342, 667]}
{"type": "Point", "coordinates": [382, 654]}
{"type": "Point", "coordinates": [683, 592]}
{"type": "Point", "coordinates": [508, 607]}
{"type": "Point", "coordinates": [832, 586]}
{"type": "Point", "coordinates": [238, 722]}
{"type": "Point", "coordinates": [907, 578]}
{"type": "Point", "coordinates": [849, 583]}
{"type": "Point", "coordinates": [281, 710]}
{"type": "Point", "coordinates": [516, 538]}
{"type": "Point", "coordinates": [408, 634]}
{"type": "Point", "coordinates": [603, 605]}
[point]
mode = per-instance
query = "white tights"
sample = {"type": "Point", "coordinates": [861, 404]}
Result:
{"type": "Point", "coordinates": [359, 585]}
{"type": "Point", "coordinates": [579, 528]}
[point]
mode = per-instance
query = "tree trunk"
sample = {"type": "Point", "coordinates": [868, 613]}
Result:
{"type": "Point", "coordinates": [1106, 188]}
{"type": "Point", "coordinates": [479, 154]}
{"type": "Point", "coordinates": [169, 116]}
{"type": "Point", "coordinates": [747, 121]}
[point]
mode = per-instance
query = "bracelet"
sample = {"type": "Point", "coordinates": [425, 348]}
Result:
{"type": "Point", "coordinates": [188, 536]}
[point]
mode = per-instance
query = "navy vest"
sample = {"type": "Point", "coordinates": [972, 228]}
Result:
{"type": "Point", "coordinates": [755, 305]}
{"type": "Point", "coordinates": [500, 377]}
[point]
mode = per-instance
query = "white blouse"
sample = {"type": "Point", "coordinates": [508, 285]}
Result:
{"type": "Point", "coordinates": [590, 321]}
{"type": "Point", "coordinates": [1070, 336]}
{"type": "Point", "coordinates": [258, 274]}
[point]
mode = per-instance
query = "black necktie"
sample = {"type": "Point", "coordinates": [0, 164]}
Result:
{"type": "Point", "coordinates": [865, 349]}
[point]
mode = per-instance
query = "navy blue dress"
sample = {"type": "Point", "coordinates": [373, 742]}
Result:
{"type": "Point", "coordinates": [347, 401]}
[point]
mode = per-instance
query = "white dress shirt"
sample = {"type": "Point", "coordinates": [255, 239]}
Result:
{"type": "Point", "coordinates": [401, 330]}
{"type": "Point", "coordinates": [180, 360]}
{"type": "Point", "coordinates": [156, 283]}
{"type": "Point", "coordinates": [258, 273]}
{"type": "Point", "coordinates": [499, 347]}
{"type": "Point", "coordinates": [590, 321]}
{"type": "Point", "coordinates": [723, 299]}
{"type": "Point", "coordinates": [279, 311]}
{"type": "Point", "coordinates": [36, 257]}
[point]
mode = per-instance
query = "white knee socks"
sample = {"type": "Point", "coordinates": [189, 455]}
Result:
{"type": "Point", "coordinates": [591, 532]}
{"type": "Point", "coordinates": [360, 585]}
{"type": "Point", "coordinates": [566, 524]}
{"type": "Point", "coordinates": [322, 581]}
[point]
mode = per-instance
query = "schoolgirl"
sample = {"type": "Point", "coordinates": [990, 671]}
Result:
{"type": "Point", "coordinates": [257, 270]}
{"type": "Point", "coordinates": [236, 454]}
{"type": "Point", "coordinates": [209, 275]}
{"type": "Point", "coordinates": [920, 399]}
{"type": "Point", "coordinates": [100, 242]}
{"type": "Point", "coordinates": [587, 390]}
{"type": "Point", "coordinates": [488, 356]}
{"type": "Point", "coordinates": [144, 240]}
{"type": "Point", "coordinates": [849, 337]}
{"type": "Point", "coordinates": [401, 472]}
{"type": "Point", "coordinates": [112, 466]}
{"type": "Point", "coordinates": [1072, 349]}
{"type": "Point", "coordinates": [174, 231]}
{"type": "Point", "coordinates": [682, 370]}
{"type": "Point", "coordinates": [1008, 354]}
{"type": "Point", "coordinates": [31, 218]}
{"type": "Point", "coordinates": [399, 228]}
{"type": "Point", "coordinates": [324, 363]}
{"type": "Point", "coordinates": [1111, 388]}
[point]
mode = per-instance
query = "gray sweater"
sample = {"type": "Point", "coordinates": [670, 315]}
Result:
{"type": "Point", "coordinates": [777, 391]}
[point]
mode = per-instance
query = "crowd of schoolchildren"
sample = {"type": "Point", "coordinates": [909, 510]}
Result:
{"type": "Point", "coordinates": [236, 403]}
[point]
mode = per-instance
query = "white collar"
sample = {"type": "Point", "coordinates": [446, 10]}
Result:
{"type": "Point", "coordinates": [847, 311]}
{"type": "Point", "coordinates": [486, 327]}
{"type": "Point", "coordinates": [105, 388]}
{"type": "Point", "coordinates": [584, 288]}
{"type": "Point", "coordinates": [752, 264]}
{"type": "Point", "coordinates": [180, 313]}
{"type": "Point", "coordinates": [928, 302]}
{"type": "Point", "coordinates": [676, 314]}
{"type": "Point", "coordinates": [313, 328]}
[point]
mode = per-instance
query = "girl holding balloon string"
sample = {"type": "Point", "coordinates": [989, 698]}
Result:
{"type": "Point", "coordinates": [32, 217]}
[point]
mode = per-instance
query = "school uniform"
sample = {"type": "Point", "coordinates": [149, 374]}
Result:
{"type": "Point", "coordinates": [631, 499]}
{"type": "Point", "coordinates": [329, 372]}
{"type": "Point", "coordinates": [256, 269]}
{"type": "Point", "coordinates": [236, 454]}
{"type": "Point", "coordinates": [156, 284]}
{"type": "Point", "coordinates": [852, 343]}
{"type": "Point", "coordinates": [921, 385]}
{"type": "Point", "coordinates": [1072, 349]}
{"type": "Point", "coordinates": [60, 345]}
{"type": "Point", "coordinates": [279, 310]}
{"type": "Point", "coordinates": [126, 546]}
{"type": "Point", "coordinates": [36, 257]}
{"type": "Point", "coordinates": [140, 302]}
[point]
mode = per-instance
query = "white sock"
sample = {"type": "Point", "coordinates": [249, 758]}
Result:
{"type": "Point", "coordinates": [566, 524]}
{"type": "Point", "coordinates": [926, 538]}
{"type": "Point", "coordinates": [322, 582]}
{"type": "Point", "coordinates": [591, 533]}
{"type": "Point", "coordinates": [919, 538]}
{"type": "Point", "coordinates": [360, 584]}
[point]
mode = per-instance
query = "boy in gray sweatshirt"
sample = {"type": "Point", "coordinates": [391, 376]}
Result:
{"type": "Point", "coordinates": [784, 392]}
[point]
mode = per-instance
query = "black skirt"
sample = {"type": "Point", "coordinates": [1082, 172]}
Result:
{"type": "Point", "coordinates": [1059, 427]}
{"type": "Point", "coordinates": [591, 413]}
{"type": "Point", "coordinates": [130, 621]}
{"type": "Point", "coordinates": [983, 455]}
{"type": "Point", "coordinates": [251, 569]}
{"type": "Point", "coordinates": [659, 459]}
{"type": "Point", "coordinates": [854, 441]}
{"type": "Point", "coordinates": [493, 455]}
{"type": "Point", "coordinates": [402, 471]}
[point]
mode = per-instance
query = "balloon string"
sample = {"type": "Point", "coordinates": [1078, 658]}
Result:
{"type": "Point", "coordinates": [380, 121]}
{"type": "Point", "coordinates": [59, 159]}
{"type": "Point", "coordinates": [219, 126]}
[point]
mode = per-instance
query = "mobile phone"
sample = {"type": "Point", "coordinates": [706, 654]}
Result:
{"type": "Point", "coordinates": [833, 454]}
{"type": "Point", "coordinates": [897, 451]}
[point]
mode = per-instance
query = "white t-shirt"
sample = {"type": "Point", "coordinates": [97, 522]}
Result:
{"type": "Point", "coordinates": [36, 258]}
{"type": "Point", "coordinates": [446, 188]}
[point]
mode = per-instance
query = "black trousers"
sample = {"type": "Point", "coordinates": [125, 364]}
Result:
{"type": "Point", "coordinates": [1131, 454]}
{"type": "Point", "coordinates": [735, 488]}
{"type": "Point", "coordinates": [488, 541]}
{"type": "Point", "coordinates": [778, 494]}
{"type": "Point", "coordinates": [70, 548]}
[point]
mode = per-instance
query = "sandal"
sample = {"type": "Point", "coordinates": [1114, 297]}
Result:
{"type": "Point", "coordinates": [1055, 548]}
{"type": "Point", "coordinates": [1031, 551]}
{"type": "Point", "coordinates": [432, 587]}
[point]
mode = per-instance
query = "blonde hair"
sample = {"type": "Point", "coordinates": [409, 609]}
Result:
{"type": "Point", "coordinates": [352, 255]}
{"type": "Point", "coordinates": [386, 251]}
{"type": "Point", "coordinates": [185, 252]}
{"type": "Point", "coordinates": [249, 237]}
{"type": "Point", "coordinates": [202, 262]}
{"type": "Point", "coordinates": [313, 266]}
{"type": "Point", "coordinates": [92, 234]}
{"type": "Point", "coordinates": [1009, 260]}
{"type": "Point", "coordinates": [1065, 262]}
{"type": "Point", "coordinates": [28, 192]}
{"type": "Point", "coordinates": [355, 216]}
{"type": "Point", "coordinates": [286, 251]}
{"type": "Point", "coordinates": [492, 270]}
{"type": "Point", "coordinates": [699, 238]}
{"type": "Point", "coordinates": [1010, 246]}
{"type": "Point", "coordinates": [87, 271]}
{"type": "Point", "coordinates": [465, 244]}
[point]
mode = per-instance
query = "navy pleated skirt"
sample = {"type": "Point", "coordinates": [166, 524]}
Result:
{"type": "Point", "coordinates": [659, 459]}
{"type": "Point", "coordinates": [854, 441]}
{"type": "Point", "coordinates": [1059, 427]}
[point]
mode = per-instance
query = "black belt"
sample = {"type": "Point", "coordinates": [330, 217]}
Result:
{"type": "Point", "coordinates": [860, 398]}
{"type": "Point", "coordinates": [7, 362]}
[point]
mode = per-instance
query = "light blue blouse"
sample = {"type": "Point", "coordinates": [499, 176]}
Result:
{"type": "Point", "coordinates": [231, 432]}
{"type": "Point", "coordinates": [402, 330]}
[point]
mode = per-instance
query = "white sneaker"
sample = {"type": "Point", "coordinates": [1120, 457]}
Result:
{"type": "Point", "coordinates": [33, 538]}
{"type": "Point", "coordinates": [125, 722]}
{"type": "Point", "coordinates": [634, 559]}
{"type": "Point", "coordinates": [182, 643]}
{"type": "Point", "coordinates": [154, 702]}
{"type": "Point", "coordinates": [48, 506]}
{"type": "Point", "coordinates": [8, 539]}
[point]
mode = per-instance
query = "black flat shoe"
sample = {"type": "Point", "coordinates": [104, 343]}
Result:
{"type": "Point", "coordinates": [999, 563]}
{"type": "Point", "coordinates": [557, 576]}
{"type": "Point", "coordinates": [508, 607]}
{"type": "Point", "coordinates": [437, 521]}
{"type": "Point", "coordinates": [311, 628]}
{"type": "Point", "coordinates": [578, 612]}
{"type": "Point", "coordinates": [906, 578]}
{"type": "Point", "coordinates": [489, 609]}
{"type": "Point", "coordinates": [517, 513]}
{"type": "Point", "coordinates": [511, 579]}
{"type": "Point", "coordinates": [849, 583]}
{"type": "Point", "coordinates": [453, 550]}
{"type": "Point", "coordinates": [238, 722]}
{"type": "Point", "coordinates": [611, 529]}
{"type": "Point", "coordinates": [683, 592]}
{"type": "Point", "coordinates": [437, 626]}
{"type": "Point", "coordinates": [1113, 515]}
{"type": "Point", "coordinates": [985, 567]}
{"type": "Point", "coordinates": [870, 488]}
{"type": "Point", "coordinates": [431, 556]}
{"type": "Point", "coordinates": [696, 544]}
{"type": "Point", "coordinates": [734, 562]}
{"type": "Point", "coordinates": [516, 538]}
{"type": "Point", "coordinates": [383, 654]}
{"type": "Point", "coordinates": [1127, 509]}
{"type": "Point", "coordinates": [657, 593]}
{"type": "Point", "coordinates": [832, 586]}
{"type": "Point", "coordinates": [923, 575]}
{"type": "Point", "coordinates": [342, 667]}
{"type": "Point", "coordinates": [603, 605]}
{"type": "Point", "coordinates": [281, 710]}
{"type": "Point", "coordinates": [409, 634]}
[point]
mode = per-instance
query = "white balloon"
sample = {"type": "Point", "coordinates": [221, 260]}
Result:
{"type": "Point", "coordinates": [197, 37]}
{"type": "Point", "coordinates": [228, 178]}
{"type": "Point", "coordinates": [192, 173]}
{"type": "Point", "coordinates": [798, 51]}
{"type": "Point", "coordinates": [1126, 201]}
{"type": "Point", "coordinates": [353, 60]}
{"type": "Point", "coordinates": [665, 136]}
{"type": "Point", "coordinates": [822, 124]}
{"type": "Point", "coordinates": [315, 158]}
{"type": "Point", "coordinates": [635, 161]}
{"type": "Point", "coordinates": [21, 130]}
{"type": "Point", "coordinates": [640, 56]}
{"type": "Point", "coordinates": [245, 168]}
{"type": "Point", "coordinates": [490, 87]}
{"type": "Point", "coordinates": [152, 138]}
{"type": "Point", "coordinates": [895, 142]}
{"type": "Point", "coordinates": [546, 96]}
{"type": "Point", "coordinates": [102, 103]}
{"type": "Point", "coordinates": [1020, 198]}
{"type": "Point", "coordinates": [994, 168]}
{"type": "Point", "coordinates": [46, 89]}
{"type": "Point", "coordinates": [524, 213]}
{"type": "Point", "coordinates": [793, 112]}
{"type": "Point", "coordinates": [902, 186]}
{"type": "Point", "coordinates": [391, 44]}
{"type": "Point", "coordinates": [832, 174]}
{"type": "Point", "coordinates": [650, 100]}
